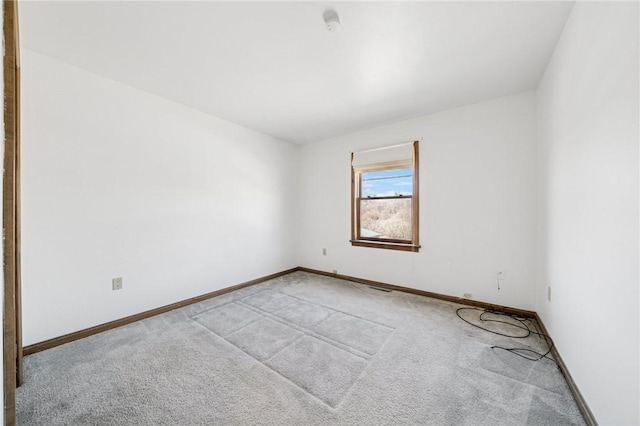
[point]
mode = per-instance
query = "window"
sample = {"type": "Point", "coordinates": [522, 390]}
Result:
{"type": "Point", "coordinates": [384, 205]}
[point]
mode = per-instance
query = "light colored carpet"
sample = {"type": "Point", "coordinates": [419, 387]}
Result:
{"type": "Point", "coordinates": [301, 349]}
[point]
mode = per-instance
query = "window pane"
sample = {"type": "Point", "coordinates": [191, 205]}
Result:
{"type": "Point", "coordinates": [389, 218]}
{"type": "Point", "coordinates": [385, 183]}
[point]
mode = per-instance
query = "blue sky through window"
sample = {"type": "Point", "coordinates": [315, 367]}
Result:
{"type": "Point", "coordinates": [386, 183]}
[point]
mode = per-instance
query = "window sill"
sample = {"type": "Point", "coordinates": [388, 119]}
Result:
{"type": "Point", "coordinates": [386, 245]}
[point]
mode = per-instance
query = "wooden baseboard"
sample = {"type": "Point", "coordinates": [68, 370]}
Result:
{"type": "Point", "coordinates": [57, 341]}
{"type": "Point", "coordinates": [460, 300]}
{"type": "Point", "coordinates": [61, 340]}
{"type": "Point", "coordinates": [589, 418]}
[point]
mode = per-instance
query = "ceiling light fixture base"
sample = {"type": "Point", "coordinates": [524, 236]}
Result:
{"type": "Point", "coordinates": [332, 20]}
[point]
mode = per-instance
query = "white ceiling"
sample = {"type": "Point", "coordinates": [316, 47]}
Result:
{"type": "Point", "coordinates": [273, 67]}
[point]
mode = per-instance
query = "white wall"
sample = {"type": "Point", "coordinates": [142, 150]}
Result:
{"type": "Point", "coordinates": [477, 203]}
{"type": "Point", "coordinates": [588, 205]}
{"type": "Point", "coordinates": [118, 182]}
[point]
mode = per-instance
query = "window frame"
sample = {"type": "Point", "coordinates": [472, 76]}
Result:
{"type": "Point", "coordinates": [356, 199]}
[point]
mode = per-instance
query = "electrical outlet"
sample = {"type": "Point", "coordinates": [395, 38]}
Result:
{"type": "Point", "coordinates": [116, 283]}
{"type": "Point", "coordinates": [549, 293]}
{"type": "Point", "coordinates": [324, 251]}
{"type": "Point", "coordinates": [467, 295]}
{"type": "Point", "coordinates": [335, 272]}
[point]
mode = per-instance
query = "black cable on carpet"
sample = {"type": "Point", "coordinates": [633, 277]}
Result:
{"type": "Point", "coordinates": [522, 323]}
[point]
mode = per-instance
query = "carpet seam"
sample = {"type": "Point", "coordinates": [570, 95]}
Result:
{"type": "Point", "coordinates": [342, 312]}
{"type": "Point", "coordinates": [263, 363]}
{"type": "Point", "coordinates": [312, 333]}
{"type": "Point", "coordinates": [348, 393]}
{"type": "Point", "coordinates": [235, 330]}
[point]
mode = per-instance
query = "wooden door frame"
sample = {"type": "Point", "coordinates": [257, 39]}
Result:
{"type": "Point", "coordinates": [12, 348]}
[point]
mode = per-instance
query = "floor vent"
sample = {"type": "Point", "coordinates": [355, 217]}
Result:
{"type": "Point", "coordinates": [386, 290]}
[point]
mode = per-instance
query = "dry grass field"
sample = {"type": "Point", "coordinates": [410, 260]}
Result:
{"type": "Point", "coordinates": [390, 218]}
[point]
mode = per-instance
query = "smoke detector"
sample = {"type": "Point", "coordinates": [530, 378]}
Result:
{"type": "Point", "coordinates": [332, 20]}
